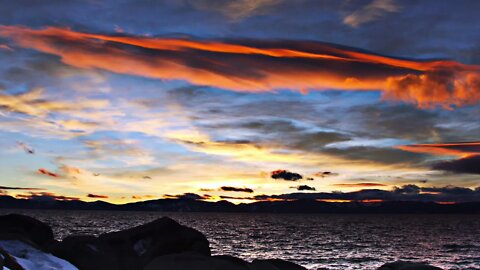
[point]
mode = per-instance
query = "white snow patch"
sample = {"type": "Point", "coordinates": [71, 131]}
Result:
{"type": "Point", "coordinates": [33, 259]}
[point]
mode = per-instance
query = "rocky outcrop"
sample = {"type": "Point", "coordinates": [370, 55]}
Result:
{"type": "Point", "coordinates": [186, 261]}
{"type": "Point", "coordinates": [401, 265]}
{"type": "Point", "coordinates": [26, 228]}
{"type": "Point", "coordinates": [274, 264]}
{"type": "Point", "coordinates": [192, 261]}
{"type": "Point", "coordinates": [132, 249]}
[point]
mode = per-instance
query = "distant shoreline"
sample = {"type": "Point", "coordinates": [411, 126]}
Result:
{"type": "Point", "coordinates": [297, 206]}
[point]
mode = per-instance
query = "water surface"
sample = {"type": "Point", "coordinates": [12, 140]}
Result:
{"type": "Point", "coordinates": [320, 241]}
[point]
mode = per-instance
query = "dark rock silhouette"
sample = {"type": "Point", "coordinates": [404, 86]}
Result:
{"type": "Point", "coordinates": [86, 252]}
{"type": "Point", "coordinates": [192, 261]}
{"type": "Point", "coordinates": [133, 248]}
{"type": "Point", "coordinates": [401, 265]}
{"type": "Point", "coordinates": [26, 228]}
{"type": "Point", "coordinates": [276, 263]}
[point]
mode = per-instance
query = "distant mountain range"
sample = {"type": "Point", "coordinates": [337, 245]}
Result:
{"type": "Point", "coordinates": [297, 206]}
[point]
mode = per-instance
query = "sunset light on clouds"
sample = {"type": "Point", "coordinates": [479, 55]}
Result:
{"type": "Point", "coordinates": [231, 102]}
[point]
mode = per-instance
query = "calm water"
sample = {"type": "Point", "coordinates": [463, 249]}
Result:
{"type": "Point", "coordinates": [320, 241]}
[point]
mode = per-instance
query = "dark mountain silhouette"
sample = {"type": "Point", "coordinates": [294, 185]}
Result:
{"type": "Point", "coordinates": [296, 206]}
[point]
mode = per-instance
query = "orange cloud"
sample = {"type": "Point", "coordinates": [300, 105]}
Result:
{"type": "Point", "coordinates": [256, 66]}
{"type": "Point", "coordinates": [461, 149]}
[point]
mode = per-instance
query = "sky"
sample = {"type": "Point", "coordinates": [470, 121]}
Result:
{"type": "Point", "coordinates": [240, 100]}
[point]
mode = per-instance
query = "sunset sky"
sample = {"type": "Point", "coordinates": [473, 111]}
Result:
{"type": "Point", "coordinates": [241, 100]}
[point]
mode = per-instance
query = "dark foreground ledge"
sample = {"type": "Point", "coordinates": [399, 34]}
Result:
{"type": "Point", "coordinates": [163, 244]}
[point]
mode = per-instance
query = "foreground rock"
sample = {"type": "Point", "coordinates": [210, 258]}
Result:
{"type": "Point", "coordinates": [26, 228]}
{"type": "Point", "coordinates": [187, 261]}
{"type": "Point", "coordinates": [401, 265]}
{"type": "Point", "coordinates": [193, 261]}
{"type": "Point", "coordinates": [131, 249]}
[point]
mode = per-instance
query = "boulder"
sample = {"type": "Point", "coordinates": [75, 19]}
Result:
{"type": "Point", "coordinates": [133, 248]}
{"type": "Point", "coordinates": [14, 226]}
{"type": "Point", "coordinates": [275, 264]}
{"type": "Point", "coordinates": [237, 261]}
{"type": "Point", "coordinates": [86, 252]}
{"type": "Point", "coordinates": [402, 265]}
{"type": "Point", "coordinates": [192, 261]}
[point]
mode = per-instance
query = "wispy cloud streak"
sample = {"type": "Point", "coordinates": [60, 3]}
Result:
{"type": "Point", "coordinates": [260, 65]}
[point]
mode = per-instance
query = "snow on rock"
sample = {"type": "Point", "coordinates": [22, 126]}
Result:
{"type": "Point", "coordinates": [33, 259]}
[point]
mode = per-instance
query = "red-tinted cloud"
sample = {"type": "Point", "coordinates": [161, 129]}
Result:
{"type": "Point", "coordinates": [256, 66]}
{"type": "Point", "coordinates": [461, 149]}
{"type": "Point", "coordinates": [47, 172]}
{"type": "Point", "coordinates": [468, 154]}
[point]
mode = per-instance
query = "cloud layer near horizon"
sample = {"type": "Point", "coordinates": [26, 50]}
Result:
{"type": "Point", "coordinates": [259, 65]}
{"type": "Point", "coordinates": [468, 154]}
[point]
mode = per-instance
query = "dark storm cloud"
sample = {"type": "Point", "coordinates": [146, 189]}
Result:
{"type": "Point", "coordinates": [286, 132]}
{"type": "Point", "coordinates": [453, 190]}
{"type": "Point", "coordinates": [235, 198]}
{"type": "Point", "coordinates": [19, 188]}
{"type": "Point", "coordinates": [286, 175]}
{"type": "Point", "coordinates": [46, 196]}
{"type": "Point", "coordinates": [186, 196]}
{"type": "Point", "coordinates": [360, 185]}
{"type": "Point", "coordinates": [470, 164]}
{"type": "Point", "coordinates": [391, 121]}
{"type": "Point", "coordinates": [404, 193]}
{"type": "Point", "coordinates": [325, 174]}
{"type": "Point", "coordinates": [236, 189]}
{"type": "Point", "coordinates": [304, 187]}
{"type": "Point", "coordinates": [96, 196]}
{"type": "Point", "coordinates": [408, 189]}
{"type": "Point", "coordinates": [468, 154]}
{"type": "Point", "coordinates": [376, 154]}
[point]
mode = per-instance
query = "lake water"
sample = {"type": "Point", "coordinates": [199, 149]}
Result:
{"type": "Point", "coordinates": [321, 241]}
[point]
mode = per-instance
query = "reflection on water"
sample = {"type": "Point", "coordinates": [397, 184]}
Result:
{"type": "Point", "coordinates": [322, 241]}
